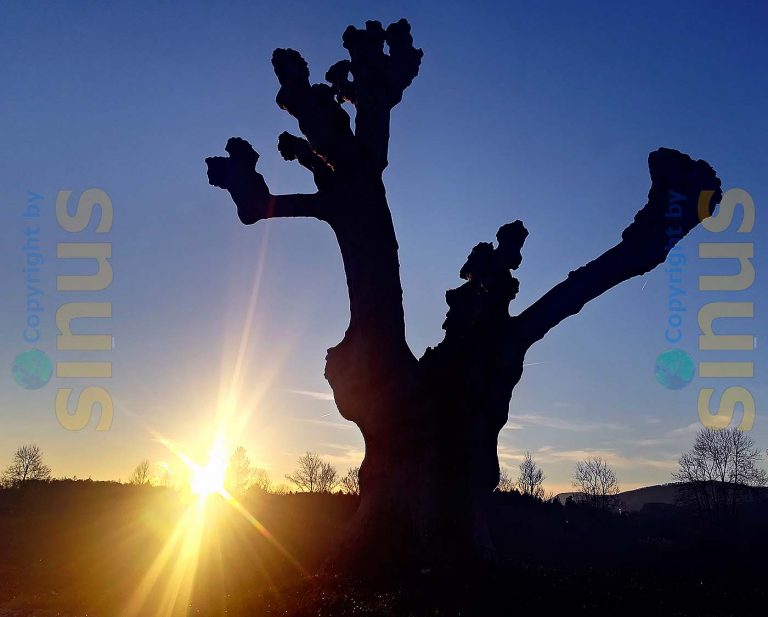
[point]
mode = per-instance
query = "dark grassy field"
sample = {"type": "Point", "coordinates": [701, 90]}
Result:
{"type": "Point", "coordinates": [100, 549]}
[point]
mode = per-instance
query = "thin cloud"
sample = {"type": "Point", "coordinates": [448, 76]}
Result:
{"type": "Point", "coordinates": [327, 423]}
{"type": "Point", "coordinates": [548, 454]}
{"type": "Point", "coordinates": [316, 395]}
{"type": "Point", "coordinates": [321, 421]}
{"type": "Point", "coordinates": [690, 429]}
{"type": "Point", "coordinates": [674, 436]}
{"type": "Point", "coordinates": [345, 456]}
{"type": "Point", "coordinates": [563, 424]}
{"type": "Point", "coordinates": [507, 454]}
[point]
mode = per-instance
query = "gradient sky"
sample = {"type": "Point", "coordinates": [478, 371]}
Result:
{"type": "Point", "coordinates": [539, 112]}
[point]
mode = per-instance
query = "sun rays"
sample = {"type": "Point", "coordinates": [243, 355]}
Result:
{"type": "Point", "coordinates": [209, 479]}
{"type": "Point", "coordinates": [166, 588]}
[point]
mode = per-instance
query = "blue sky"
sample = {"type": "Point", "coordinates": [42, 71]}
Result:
{"type": "Point", "coordinates": [535, 111]}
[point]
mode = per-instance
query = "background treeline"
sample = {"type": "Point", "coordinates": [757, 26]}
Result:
{"type": "Point", "coordinates": [80, 546]}
{"type": "Point", "coordinates": [722, 470]}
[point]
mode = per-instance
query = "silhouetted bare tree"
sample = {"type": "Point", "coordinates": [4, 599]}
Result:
{"type": "Point", "coordinates": [531, 478]}
{"type": "Point", "coordinates": [596, 482]}
{"type": "Point", "coordinates": [328, 478]}
{"type": "Point", "coordinates": [717, 473]}
{"type": "Point", "coordinates": [239, 476]}
{"type": "Point", "coordinates": [279, 489]}
{"type": "Point", "coordinates": [350, 483]}
{"type": "Point", "coordinates": [141, 475]}
{"type": "Point", "coordinates": [430, 425]}
{"type": "Point", "coordinates": [506, 483]}
{"type": "Point", "coordinates": [261, 480]}
{"type": "Point", "coordinates": [313, 474]}
{"type": "Point", "coordinates": [26, 464]}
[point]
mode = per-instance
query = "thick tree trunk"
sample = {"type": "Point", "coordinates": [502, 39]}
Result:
{"type": "Point", "coordinates": [420, 507]}
{"type": "Point", "coordinates": [430, 425]}
{"type": "Point", "coordinates": [429, 470]}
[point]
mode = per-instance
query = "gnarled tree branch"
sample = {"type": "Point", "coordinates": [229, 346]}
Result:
{"type": "Point", "coordinates": [679, 185]}
{"type": "Point", "coordinates": [237, 174]}
{"type": "Point", "coordinates": [321, 117]}
{"type": "Point", "coordinates": [338, 77]}
{"type": "Point", "coordinates": [295, 148]}
{"type": "Point", "coordinates": [379, 80]}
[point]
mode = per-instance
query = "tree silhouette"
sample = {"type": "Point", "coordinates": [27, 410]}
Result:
{"type": "Point", "coordinates": [531, 478]}
{"type": "Point", "coordinates": [350, 483]}
{"type": "Point", "coordinates": [240, 474]}
{"type": "Point", "coordinates": [314, 475]}
{"type": "Point", "coordinates": [141, 474]}
{"type": "Point", "coordinates": [431, 424]}
{"type": "Point", "coordinates": [506, 483]}
{"type": "Point", "coordinates": [717, 473]}
{"type": "Point", "coordinates": [26, 464]}
{"type": "Point", "coordinates": [596, 482]}
{"type": "Point", "coordinates": [260, 480]}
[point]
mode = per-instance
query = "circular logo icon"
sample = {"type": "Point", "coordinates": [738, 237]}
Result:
{"type": "Point", "coordinates": [32, 369]}
{"type": "Point", "coordinates": [674, 369]}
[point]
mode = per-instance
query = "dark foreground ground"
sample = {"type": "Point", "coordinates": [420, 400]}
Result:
{"type": "Point", "coordinates": [107, 550]}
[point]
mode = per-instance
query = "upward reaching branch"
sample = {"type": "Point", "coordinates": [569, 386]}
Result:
{"type": "Point", "coordinates": [478, 324]}
{"type": "Point", "coordinates": [379, 80]}
{"type": "Point", "coordinates": [683, 192]}
{"type": "Point", "coordinates": [346, 167]}
{"type": "Point", "coordinates": [321, 118]}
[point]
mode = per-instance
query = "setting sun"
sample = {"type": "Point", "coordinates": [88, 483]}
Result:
{"type": "Point", "coordinates": [210, 478]}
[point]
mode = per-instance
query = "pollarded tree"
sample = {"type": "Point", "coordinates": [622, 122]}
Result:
{"type": "Point", "coordinates": [430, 424]}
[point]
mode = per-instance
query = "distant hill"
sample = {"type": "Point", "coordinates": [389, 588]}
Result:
{"type": "Point", "coordinates": [635, 499]}
{"type": "Point", "coordinates": [658, 493]}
